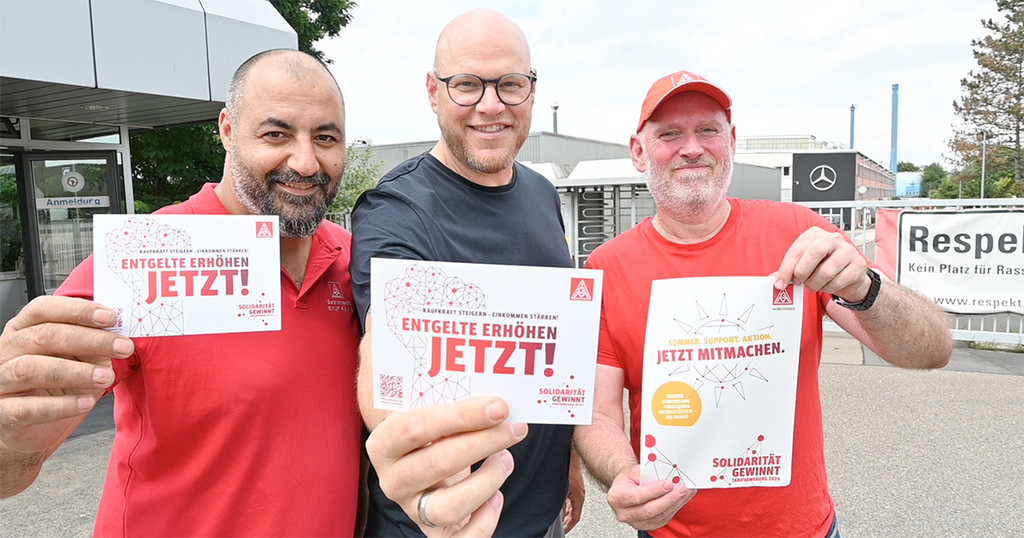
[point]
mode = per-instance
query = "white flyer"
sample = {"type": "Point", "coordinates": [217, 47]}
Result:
{"type": "Point", "coordinates": [447, 331]}
{"type": "Point", "coordinates": [719, 382]}
{"type": "Point", "coordinates": [171, 275]}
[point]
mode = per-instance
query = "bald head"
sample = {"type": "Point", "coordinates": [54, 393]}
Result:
{"type": "Point", "coordinates": [298, 65]}
{"type": "Point", "coordinates": [480, 141]}
{"type": "Point", "coordinates": [480, 33]}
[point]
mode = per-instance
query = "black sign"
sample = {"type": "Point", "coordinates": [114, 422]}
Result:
{"type": "Point", "coordinates": [824, 177]}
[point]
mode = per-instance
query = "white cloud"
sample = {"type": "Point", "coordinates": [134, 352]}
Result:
{"type": "Point", "coordinates": [791, 66]}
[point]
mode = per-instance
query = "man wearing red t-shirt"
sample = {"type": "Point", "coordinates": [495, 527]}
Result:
{"type": "Point", "coordinates": [244, 434]}
{"type": "Point", "coordinates": [684, 144]}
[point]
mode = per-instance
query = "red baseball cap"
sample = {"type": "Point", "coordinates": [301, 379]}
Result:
{"type": "Point", "coordinates": [681, 81]}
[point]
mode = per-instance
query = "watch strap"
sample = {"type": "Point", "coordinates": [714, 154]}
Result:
{"type": "Point", "coordinates": [869, 299]}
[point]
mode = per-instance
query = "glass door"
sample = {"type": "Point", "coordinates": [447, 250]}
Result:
{"type": "Point", "coordinates": [13, 290]}
{"type": "Point", "coordinates": [67, 189]}
{"type": "Point", "coordinates": [11, 263]}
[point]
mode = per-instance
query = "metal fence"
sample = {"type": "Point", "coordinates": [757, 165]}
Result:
{"type": "Point", "coordinates": [341, 219]}
{"type": "Point", "coordinates": [598, 213]}
{"type": "Point", "coordinates": [602, 213]}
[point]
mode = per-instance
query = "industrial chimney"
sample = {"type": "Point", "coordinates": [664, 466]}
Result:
{"type": "Point", "coordinates": [895, 115]}
{"type": "Point", "coordinates": [851, 125]}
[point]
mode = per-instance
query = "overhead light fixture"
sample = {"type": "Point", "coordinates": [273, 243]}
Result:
{"type": "Point", "coordinates": [94, 108]}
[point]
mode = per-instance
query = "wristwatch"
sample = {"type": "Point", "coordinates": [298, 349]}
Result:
{"type": "Point", "coordinates": [869, 299]}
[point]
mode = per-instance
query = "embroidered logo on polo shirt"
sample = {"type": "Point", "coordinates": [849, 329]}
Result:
{"type": "Point", "coordinates": [337, 301]}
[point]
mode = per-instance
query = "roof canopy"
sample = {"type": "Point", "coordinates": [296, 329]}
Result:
{"type": "Point", "coordinates": [144, 63]}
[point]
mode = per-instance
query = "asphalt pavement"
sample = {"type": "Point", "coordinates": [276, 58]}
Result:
{"type": "Point", "coordinates": [910, 453]}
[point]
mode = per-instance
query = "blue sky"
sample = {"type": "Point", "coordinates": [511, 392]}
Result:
{"type": "Point", "coordinates": [792, 67]}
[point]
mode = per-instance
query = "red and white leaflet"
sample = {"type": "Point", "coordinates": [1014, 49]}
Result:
{"type": "Point", "coordinates": [447, 331]}
{"type": "Point", "coordinates": [170, 275]}
{"type": "Point", "coordinates": [719, 382]}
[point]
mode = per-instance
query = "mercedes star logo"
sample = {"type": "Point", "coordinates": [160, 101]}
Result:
{"type": "Point", "coordinates": [823, 177]}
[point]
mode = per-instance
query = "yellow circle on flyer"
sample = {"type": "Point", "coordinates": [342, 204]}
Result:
{"type": "Point", "coordinates": [676, 404]}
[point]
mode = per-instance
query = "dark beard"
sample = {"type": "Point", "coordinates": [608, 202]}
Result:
{"type": "Point", "coordinates": [298, 216]}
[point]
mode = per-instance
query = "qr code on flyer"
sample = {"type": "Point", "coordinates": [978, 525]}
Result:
{"type": "Point", "coordinates": [391, 387]}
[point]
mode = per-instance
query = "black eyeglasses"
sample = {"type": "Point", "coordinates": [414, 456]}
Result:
{"type": "Point", "coordinates": [467, 90]}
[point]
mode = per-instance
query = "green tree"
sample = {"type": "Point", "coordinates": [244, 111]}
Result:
{"type": "Point", "coordinates": [169, 164]}
{"type": "Point", "coordinates": [999, 182]}
{"type": "Point", "coordinates": [904, 166]}
{"type": "Point", "coordinates": [991, 110]}
{"type": "Point", "coordinates": [314, 20]}
{"type": "Point", "coordinates": [931, 178]}
{"type": "Point", "coordinates": [362, 170]}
